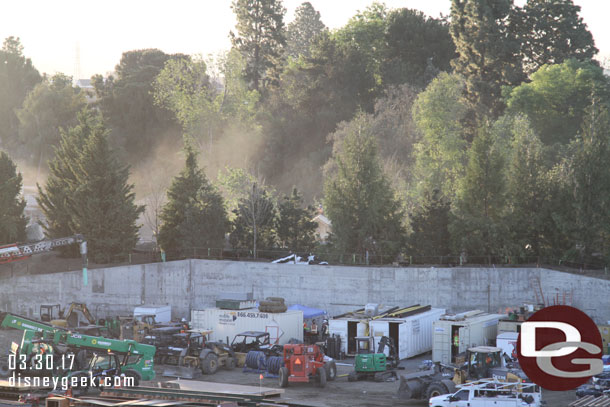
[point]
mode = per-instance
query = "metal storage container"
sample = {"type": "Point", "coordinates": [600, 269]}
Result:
{"type": "Point", "coordinates": [412, 335]}
{"type": "Point", "coordinates": [473, 328]}
{"type": "Point", "coordinates": [225, 324]}
{"type": "Point", "coordinates": [348, 329]}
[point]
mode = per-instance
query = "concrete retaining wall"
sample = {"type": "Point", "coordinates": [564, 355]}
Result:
{"type": "Point", "coordinates": [196, 284]}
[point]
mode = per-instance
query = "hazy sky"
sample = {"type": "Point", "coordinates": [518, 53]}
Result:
{"type": "Point", "coordinates": [50, 30]}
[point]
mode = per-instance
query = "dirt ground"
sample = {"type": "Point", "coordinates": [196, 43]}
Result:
{"type": "Point", "coordinates": [339, 393]}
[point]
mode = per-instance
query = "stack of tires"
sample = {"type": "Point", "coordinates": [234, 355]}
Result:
{"type": "Point", "coordinates": [256, 360]}
{"type": "Point", "coordinates": [273, 305]}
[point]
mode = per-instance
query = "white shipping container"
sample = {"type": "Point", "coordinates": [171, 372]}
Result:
{"type": "Point", "coordinates": [227, 323]}
{"type": "Point", "coordinates": [162, 313]}
{"type": "Point", "coordinates": [348, 329]}
{"type": "Point", "coordinates": [412, 334]}
{"type": "Point", "coordinates": [507, 341]}
{"type": "Point", "coordinates": [474, 328]}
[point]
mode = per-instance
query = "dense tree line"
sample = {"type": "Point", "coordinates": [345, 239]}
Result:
{"type": "Point", "coordinates": [483, 133]}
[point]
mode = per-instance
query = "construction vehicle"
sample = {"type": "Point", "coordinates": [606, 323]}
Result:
{"type": "Point", "coordinates": [41, 337]}
{"type": "Point", "coordinates": [15, 252]}
{"type": "Point", "coordinates": [434, 379]}
{"type": "Point", "coordinates": [491, 393]}
{"type": "Point", "coordinates": [371, 365]}
{"type": "Point", "coordinates": [304, 363]}
{"type": "Point", "coordinates": [191, 353]}
{"type": "Point", "coordinates": [255, 340]}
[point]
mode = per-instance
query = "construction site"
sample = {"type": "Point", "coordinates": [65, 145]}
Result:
{"type": "Point", "coordinates": [234, 333]}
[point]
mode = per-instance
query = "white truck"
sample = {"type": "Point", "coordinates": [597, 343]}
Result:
{"type": "Point", "coordinates": [491, 393]}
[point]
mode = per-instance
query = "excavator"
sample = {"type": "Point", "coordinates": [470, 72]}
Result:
{"type": "Point", "coordinates": [376, 366]}
{"type": "Point", "coordinates": [39, 338]}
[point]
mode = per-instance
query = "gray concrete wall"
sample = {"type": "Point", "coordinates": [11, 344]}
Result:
{"type": "Point", "coordinates": [196, 284]}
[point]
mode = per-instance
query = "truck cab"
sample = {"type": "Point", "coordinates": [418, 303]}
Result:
{"type": "Point", "coordinates": [490, 393]}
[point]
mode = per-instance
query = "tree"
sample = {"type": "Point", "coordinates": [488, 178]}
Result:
{"type": "Point", "coordinates": [12, 218]}
{"type": "Point", "coordinates": [254, 220]}
{"type": "Point", "coordinates": [194, 215]}
{"type": "Point", "coordinates": [552, 32]}
{"type": "Point", "coordinates": [96, 199]}
{"type": "Point", "coordinates": [17, 77]}
{"type": "Point", "coordinates": [430, 225]}
{"type": "Point", "coordinates": [51, 105]}
{"type": "Point", "coordinates": [488, 54]}
{"type": "Point", "coordinates": [418, 48]}
{"type": "Point", "coordinates": [479, 204]}
{"type": "Point", "coordinates": [295, 228]}
{"type": "Point", "coordinates": [260, 38]}
{"type": "Point", "coordinates": [127, 101]}
{"type": "Point", "coordinates": [301, 33]}
{"type": "Point", "coordinates": [556, 99]}
{"type": "Point", "coordinates": [365, 215]}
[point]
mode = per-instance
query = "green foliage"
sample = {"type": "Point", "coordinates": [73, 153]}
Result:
{"type": "Point", "coordinates": [301, 33]}
{"type": "Point", "coordinates": [557, 97]}
{"type": "Point", "coordinates": [430, 226]}
{"type": "Point", "coordinates": [87, 192]}
{"type": "Point", "coordinates": [488, 54]}
{"type": "Point", "coordinates": [418, 48]}
{"type": "Point", "coordinates": [254, 220]}
{"type": "Point", "coordinates": [234, 184]}
{"type": "Point", "coordinates": [260, 38]}
{"type": "Point", "coordinates": [358, 199]}
{"type": "Point", "coordinates": [441, 154]}
{"type": "Point", "coordinates": [17, 78]}
{"type": "Point", "coordinates": [552, 32]}
{"type": "Point", "coordinates": [478, 227]}
{"type": "Point", "coordinates": [51, 105]}
{"type": "Point", "coordinates": [12, 218]}
{"type": "Point", "coordinates": [138, 125]}
{"type": "Point", "coordinates": [194, 215]}
{"type": "Point", "coordinates": [294, 225]}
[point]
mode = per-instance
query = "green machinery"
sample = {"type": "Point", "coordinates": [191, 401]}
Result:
{"type": "Point", "coordinates": [369, 364]}
{"type": "Point", "coordinates": [39, 337]}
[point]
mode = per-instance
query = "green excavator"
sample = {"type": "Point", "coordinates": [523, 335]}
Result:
{"type": "Point", "coordinates": [369, 364]}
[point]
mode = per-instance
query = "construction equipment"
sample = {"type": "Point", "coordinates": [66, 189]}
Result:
{"type": "Point", "coordinates": [371, 365]}
{"type": "Point", "coordinates": [191, 353]}
{"type": "Point", "coordinates": [255, 340]}
{"type": "Point", "coordinates": [40, 337]}
{"type": "Point", "coordinates": [50, 312]}
{"type": "Point", "coordinates": [304, 363]}
{"type": "Point", "coordinates": [15, 252]}
{"type": "Point", "coordinates": [491, 393]}
{"type": "Point", "coordinates": [434, 379]}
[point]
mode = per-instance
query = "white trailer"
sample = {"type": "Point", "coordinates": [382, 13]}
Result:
{"type": "Point", "coordinates": [473, 328]}
{"type": "Point", "coordinates": [412, 334]}
{"type": "Point", "coordinates": [225, 324]}
{"type": "Point", "coordinates": [348, 329]}
{"type": "Point", "coordinates": [162, 313]}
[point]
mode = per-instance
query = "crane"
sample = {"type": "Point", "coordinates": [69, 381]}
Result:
{"type": "Point", "coordinates": [15, 252]}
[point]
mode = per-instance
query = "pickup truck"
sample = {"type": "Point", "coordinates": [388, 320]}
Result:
{"type": "Point", "coordinates": [491, 393]}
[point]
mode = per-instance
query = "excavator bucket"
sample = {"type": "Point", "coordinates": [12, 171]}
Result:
{"type": "Point", "coordinates": [181, 372]}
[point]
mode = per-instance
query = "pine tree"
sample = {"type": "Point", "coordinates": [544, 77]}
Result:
{"type": "Point", "coordinates": [302, 32]}
{"type": "Point", "coordinates": [87, 192]}
{"type": "Point", "coordinates": [260, 38]}
{"type": "Point", "coordinates": [365, 215]}
{"type": "Point", "coordinates": [295, 228]}
{"type": "Point", "coordinates": [488, 53]}
{"type": "Point", "coordinates": [12, 218]}
{"type": "Point", "coordinates": [194, 215]}
{"type": "Point", "coordinates": [430, 226]}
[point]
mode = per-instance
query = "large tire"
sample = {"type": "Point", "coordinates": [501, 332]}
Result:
{"type": "Point", "coordinates": [275, 299]}
{"type": "Point", "coordinates": [135, 375]}
{"type": "Point", "coordinates": [283, 376]}
{"type": "Point", "coordinates": [321, 377]}
{"type": "Point", "coordinates": [209, 364]}
{"type": "Point", "coordinates": [331, 370]}
{"type": "Point", "coordinates": [435, 389]}
{"type": "Point", "coordinates": [274, 363]}
{"type": "Point", "coordinates": [450, 385]}
{"type": "Point", "coordinates": [256, 360]}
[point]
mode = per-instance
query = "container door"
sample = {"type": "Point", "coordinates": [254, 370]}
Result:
{"type": "Point", "coordinates": [441, 342]}
{"type": "Point", "coordinates": [378, 330]}
{"type": "Point", "coordinates": [338, 327]}
{"type": "Point", "coordinates": [404, 342]}
{"type": "Point", "coordinates": [464, 338]}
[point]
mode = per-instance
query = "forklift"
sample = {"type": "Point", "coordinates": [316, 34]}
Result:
{"type": "Point", "coordinates": [369, 364]}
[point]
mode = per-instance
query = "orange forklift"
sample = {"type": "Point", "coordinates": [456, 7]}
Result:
{"type": "Point", "coordinates": [304, 363]}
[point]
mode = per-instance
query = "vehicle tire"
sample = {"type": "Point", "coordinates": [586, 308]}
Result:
{"type": "Point", "coordinates": [4, 369]}
{"type": "Point", "coordinates": [331, 370]}
{"type": "Point", "coordinates": [283, 376]}
{"type": "Point", "coordinates": [321, 377]}
{"type": "Point", "coordinates": [450, 385]}
{"type": "Point", "coordinates": [275, 299]}
{"type": "Point", "coordinates": [435, 389]}
{"type": "Point", "coordinates": [230, 363]}
{"type": "Point", "coordinates": [209, 364]}
{"type": "Point", "coordinates": [136, 377]}
{"type": "Point", "coordinates": [274, 363]}
{"type": "Point", "coordinates": [352, 377]}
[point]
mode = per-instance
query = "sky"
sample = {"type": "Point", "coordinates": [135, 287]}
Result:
{"type": "Point", "coordinates": [54, 32]}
